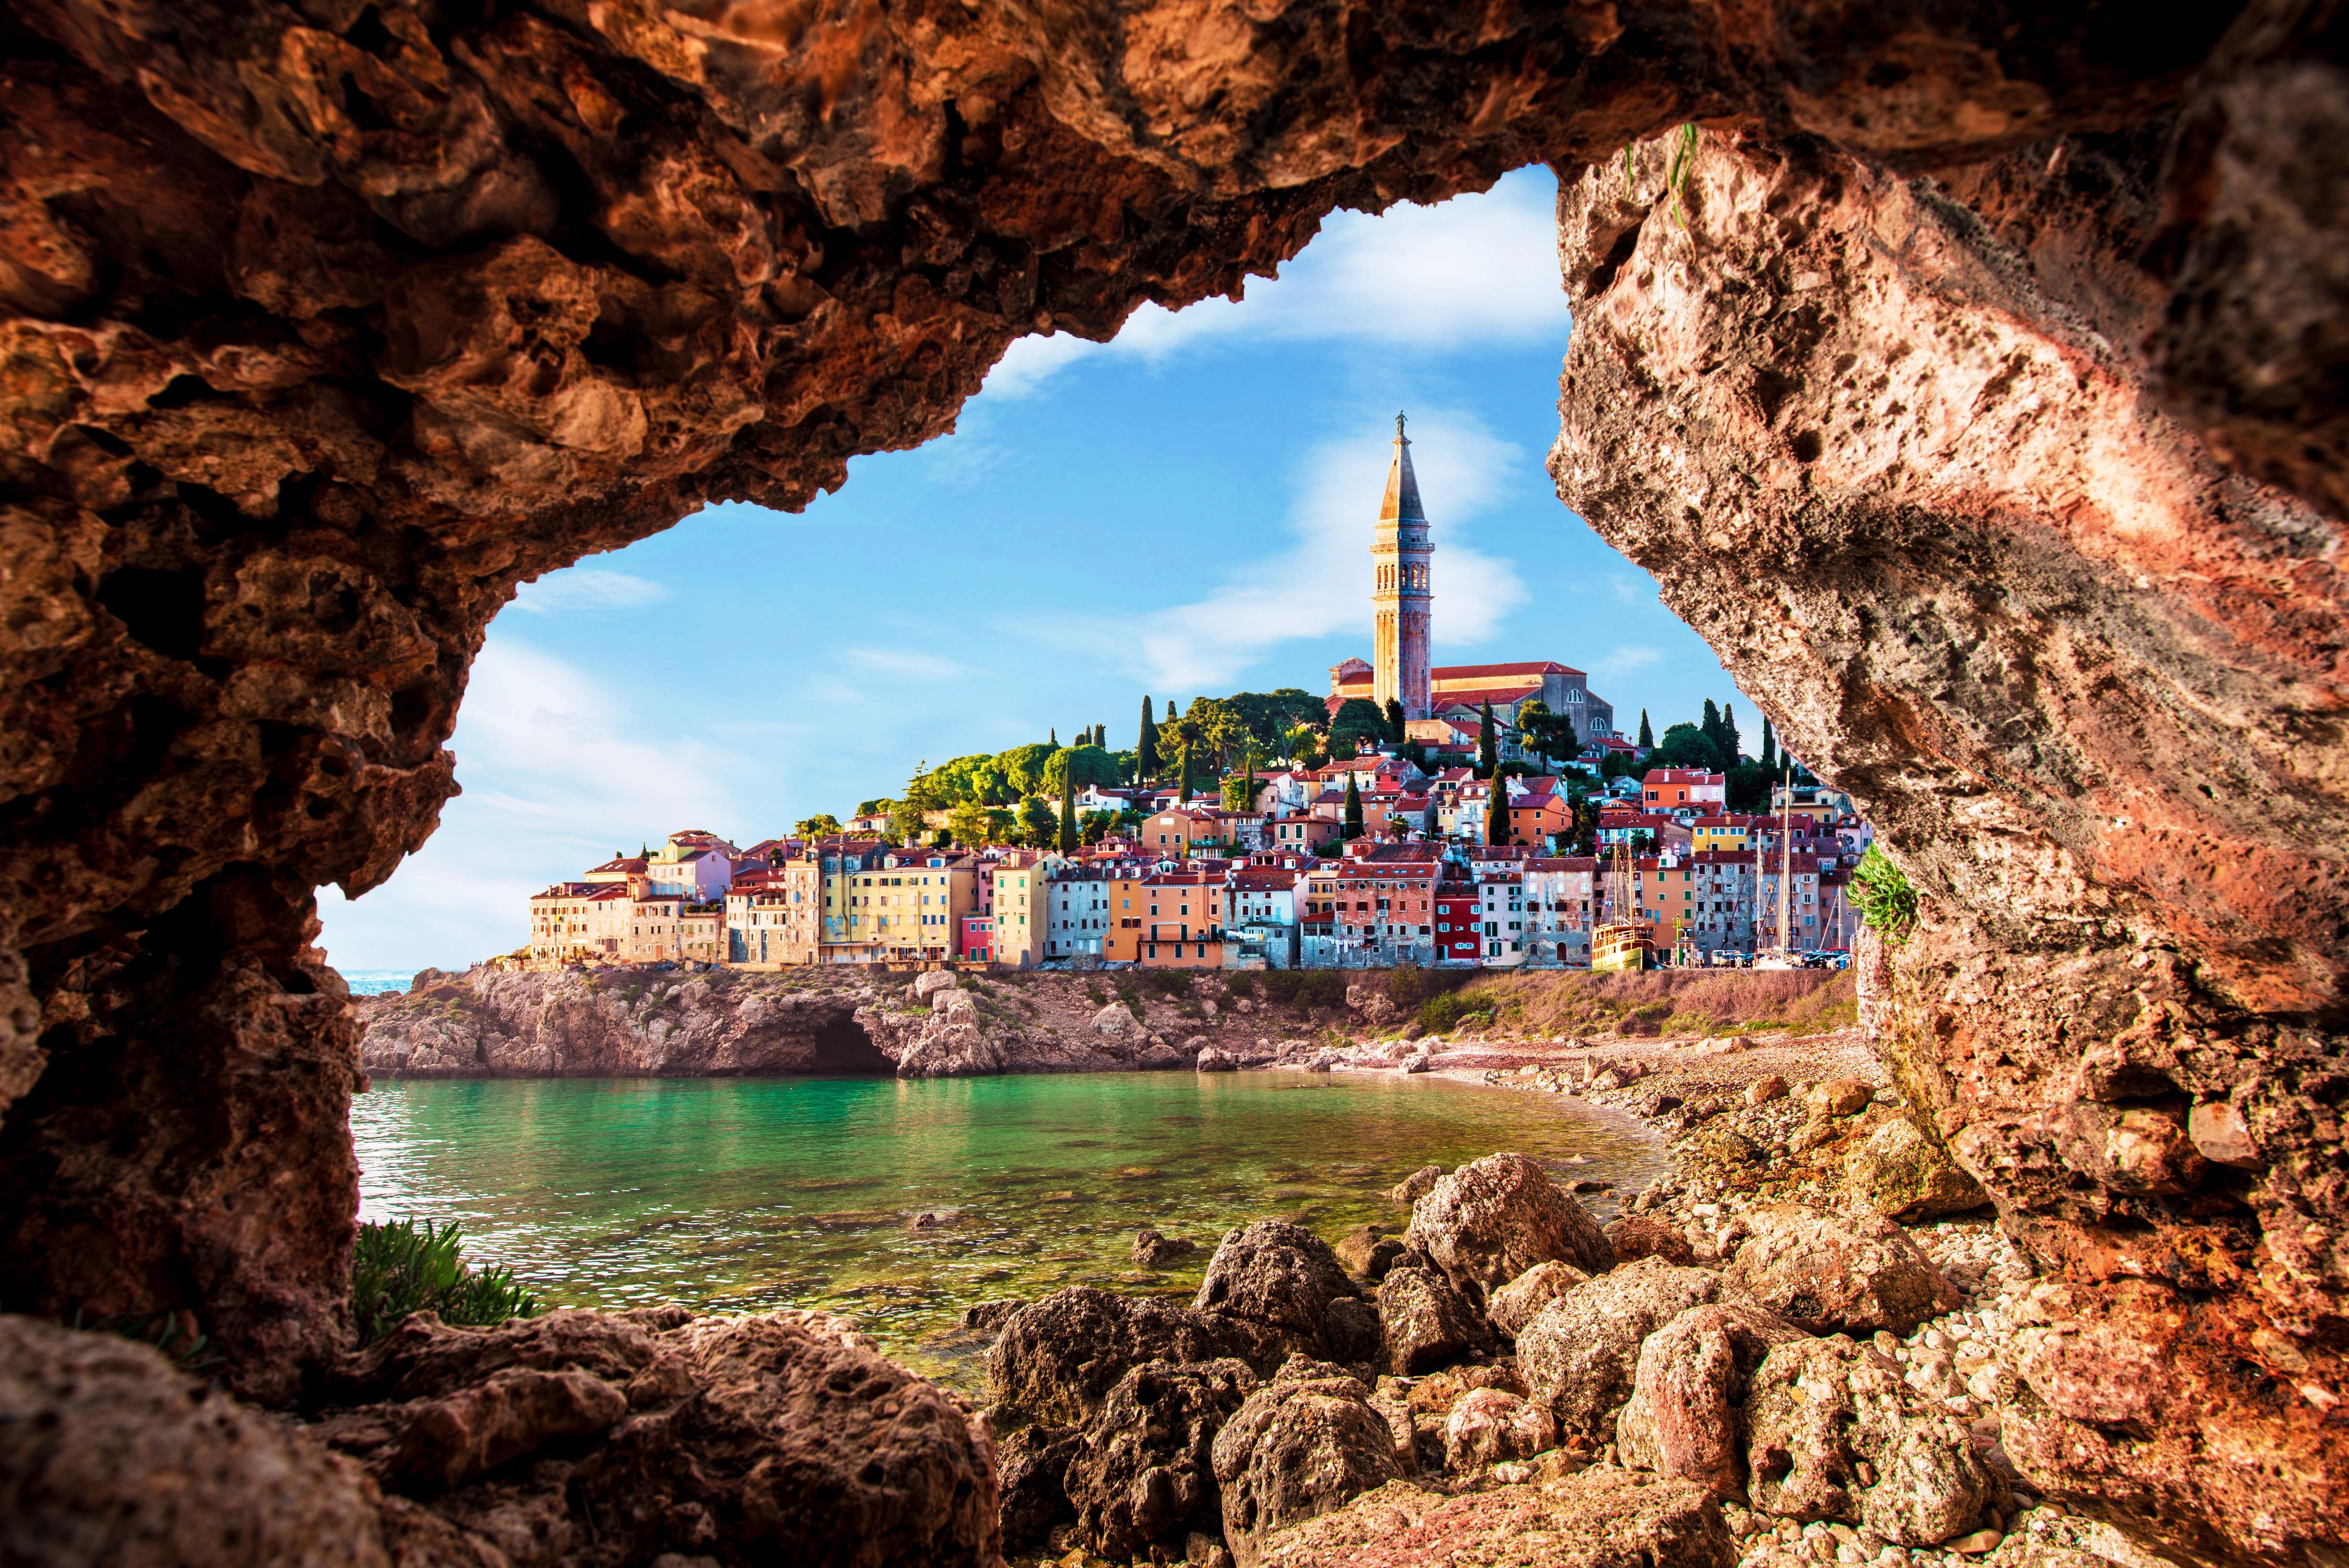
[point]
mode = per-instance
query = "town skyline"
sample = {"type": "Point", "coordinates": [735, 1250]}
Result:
{"type": "Point", "coordinates": [1183, 511]}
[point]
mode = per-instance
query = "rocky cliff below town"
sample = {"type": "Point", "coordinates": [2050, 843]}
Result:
{"type": "Point", "coordinates": [629, 1023]}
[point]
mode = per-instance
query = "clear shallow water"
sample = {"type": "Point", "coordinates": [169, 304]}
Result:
{"type": "Point", "coordinates": [376, 981]}
{"type": "Point", "coordinates": [741, 1194]}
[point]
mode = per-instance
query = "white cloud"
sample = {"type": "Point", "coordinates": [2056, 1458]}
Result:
{"type": "Point", "coordinates": [587, 589]}
{"type": "Point", "coordinates": [903, 662]}
{"type": "Point", "coordinates": [1639, 593]}
{"type": "Point", "coordinates": [1321, 584]}
{"type": "Point", "coordinates": [558, 773]}
{"type": "Point", "coordinates": [1473, 271]}
{"type": "Point", "coordinates": [1626, 659]}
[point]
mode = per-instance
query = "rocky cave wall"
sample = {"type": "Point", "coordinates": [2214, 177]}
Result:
{"type": "Point", "coordinates": [2013, 496]}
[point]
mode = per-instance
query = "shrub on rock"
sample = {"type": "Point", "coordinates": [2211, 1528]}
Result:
{"type": "Point", "coordinates": [1830, 1271]}
{"type": "Point", "coordinates": [1686, 1416]}
{"type": "Point", "coordinates": [1288, 1280]}
{"type": "Point", "coordinates": [1820, 1409]}
{"type": "Point", "coordinates": [1900, 1173]}
{"type": "Point", "coordinates": [1144, 1474]}
{"type": "Point", "coordinates": [1487, 1425]}
{"type": "Point", "coordinates": [1513, 1304]}
{"type": "Point", "coordinates": [1649, 1236]}
{"type": "Point", "coordinates": [1600, 1519]}
{"type": "Point", "coordinates": [1294, 1450]}
{"type": "Point", "coordinates": [1577, 1356]}
{"type": "Point", "coordinates": [1494, 1217]}
{"type": "Point", "coordinates": [1427, 1323]}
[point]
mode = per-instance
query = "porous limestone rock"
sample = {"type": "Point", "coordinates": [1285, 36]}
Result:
{"type": "Point", "coordinates": [1649, 1236]}
{"type": "Point", "coordinates": [2013, 494]}
{"type": "Point", "coordinates": [1900, 1173]}
{"type": "Point", "coordinates": [1839, 1097]}
{"type": "Point", "coordinates": [1600, 1519]}
{"type": "Point", "coordinates": [1427, 1323]}
{"type": "Point", "coordinates": [1143, 1476]}
{"type": "Point", "coordinates": [1487, 1425]}
{"type": "Point", "coordinates": [1153, 1250]}
{"type": "Point", "coordinates": [1285, 1279]}
{"type": "Point", "coordinates": [1513, 1306]}
{"type": "Point", "coordinates": [1056, 1359]}
{"type": "Point", "coordinates": [1827, 1271]}
{"type": "Point", "coordinates": [1368, 1252]}
{"type": "Point", "coordinates": [1818, 1410]}
{"type": "Point", "coordinates": [1578, 1353]}
{"type": "Point", "coordinates": [1116, 1022]}
{"type": "Point", "coordinates": [1417, 1185]}
{"type": "Point", "coordinates": [927, 984]}
{"type": "Point", "coordinates": [1030, 1467]}
{"type": "Point", "coordinates": [1494, 1217]}
{"type": "Point", "coordinates": [1215, 1060]}
{"type": "Point", "coordinates": [1294, 1450]}
{"type": "Point", "coordinates": [1686, 1416]}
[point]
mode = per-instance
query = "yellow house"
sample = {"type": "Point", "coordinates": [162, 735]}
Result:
{"type": "Point", "coordinates": [1728, 834]}
{"type": "Point", "coordinates": [909, 906]}
{"type": "Point", "coordinates": [1020, 879]}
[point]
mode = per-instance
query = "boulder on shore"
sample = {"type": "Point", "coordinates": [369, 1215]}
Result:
{"type": "Point", "coordinates": [1294, 1450]}
{"type": "Point", "coordinates": [1056, 1358]}
{"type": "Point", "coordinates": [1578, 1352]}
{"type": "Point", "coordinates": [1415, 1185]}
{"type": "Point", "coordinates": [1901, 1174]}
{"type": "Point", "coordinates": [1830, 1271]}
{"type": "Point", "coordinates": [1821, 1409]}
{"type": "Point", "coordinates": [1649, 1236]}
{"type": "Point", "coordinates": [1486, 1426]}
{"type": "Point", "coordinates": [1212, 1060]}
{"type": "Point", "coordinates": [1289, 1282]}
{"type": "Point", "coordinates": [1028, 1465]}
{"type": "Point", "coordinates": [1494, 1217]}
{"type": "Point", "coordinates": [1426, 1323]}
{"type": "Point", "coordinates": [1368, 1252]}
{"type": "Point", "coordinates": [1513, 1304]}
{"type": "Point", "coordinates": [1144, 1474]}
{"type": "Point", "coordinates": [1153, 1251]}
{"type": "Point", "coordinates": [1686, 1416]}
{"type": "Point", "coordinates": [1600, 1519]}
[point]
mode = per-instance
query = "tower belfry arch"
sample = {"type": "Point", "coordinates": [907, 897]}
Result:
{"type": "Point", "coordinates": [1402, 593]}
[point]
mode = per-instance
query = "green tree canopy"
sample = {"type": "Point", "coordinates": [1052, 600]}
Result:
{"type": "Point", "coordinates": [1353, 824]}
{"type": "Point", "coordinates": [1733, 746]}
{"type": "Point", "coordinates": [1068, 824]}
{"type": "Point", "coordinates": [881, 807]}
{"type": "Point", "coordinates": [1271, 715]}
{"type": "Point", "coordinates": [1096, 825]}
{"type": "Point", "coordinates": [1647, 736]}
{"type": "Point", "coordinates": [1395, 721]}
{"type": "Point", "coordinates": [1769, 758]}
{"type": "Point", "coordinates": [1023, 766]}
{"type": "Point", "coordinates": [1496, 814]}
{"type": "Point", "coordinates": [1040, 826]}
{"type": "Point", "coordinates": [1146, 760]}
{"type": "Point", "coordinates": [1357, 721]}
{"type": "Point", "coordinates": [1487, 747]}
{"type": "Point", "coordinates": [822, 825]}
{"type": "Point", "coordinates": [1213, 729]}
{"type": "Point", "coordinates": [1078, 766]}
{"type": "Point", "coordinates": [971, 826]}
{"type": "Point", "coordinates": [1684, 746]}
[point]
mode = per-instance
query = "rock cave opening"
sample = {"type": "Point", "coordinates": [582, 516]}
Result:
{"type": "Point", "coordinates": [1975, 389]}
{"type": "Point", "coordinates": [843, 1050]}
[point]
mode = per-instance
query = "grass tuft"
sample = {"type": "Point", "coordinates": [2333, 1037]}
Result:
{"type": "Point", "coordinates": [410, 1265]}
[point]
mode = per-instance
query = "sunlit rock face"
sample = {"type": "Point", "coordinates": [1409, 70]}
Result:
{"type": "Point", "coordinates": [1896, 450]}
{"type": "Point", "coordinates": [323, 325]}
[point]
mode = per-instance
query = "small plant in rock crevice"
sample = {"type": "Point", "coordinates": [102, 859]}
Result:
{"type": "Point", "coordinates": [405, 1266]}
{"type": "Point", "coordinates": [1885, 897]}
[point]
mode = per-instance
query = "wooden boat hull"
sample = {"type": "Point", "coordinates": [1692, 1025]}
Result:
{"type": "Point", "coordinates": [1621, 949]}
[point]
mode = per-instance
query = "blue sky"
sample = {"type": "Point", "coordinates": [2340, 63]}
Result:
{"type": "Point", "coordinates": [1184, 511]}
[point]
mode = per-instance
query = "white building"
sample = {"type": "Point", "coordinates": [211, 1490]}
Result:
{"type": "Point", "coordinates": [1076, 912]}
{"type": "Point", "coordinates": [1261, 927]}
{"type": "Point", "coordinates": [1558, 901]}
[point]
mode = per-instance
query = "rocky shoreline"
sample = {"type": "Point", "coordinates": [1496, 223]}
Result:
{"type": "Point", "coordinates": [1808, 1344]}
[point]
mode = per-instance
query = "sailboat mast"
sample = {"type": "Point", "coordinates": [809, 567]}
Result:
{"type": "Point", "coordinates": [1786, 853]}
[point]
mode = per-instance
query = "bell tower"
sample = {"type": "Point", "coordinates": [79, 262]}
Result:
{"type": "Point", "coordinates": [1401, 594]}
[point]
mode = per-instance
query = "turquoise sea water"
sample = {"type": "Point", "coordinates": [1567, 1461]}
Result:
{"type": "Point", "coordinates": [376, 981]}
{"type": "Point", "coordinates": [737, 1194]}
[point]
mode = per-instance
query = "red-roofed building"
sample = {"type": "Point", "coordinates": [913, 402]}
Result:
{"type": "Point", "coordinates": [1537, 820]}
{"type": "Point", "coordinates": [1563, 689]}
{"type": "Point", "coordinates": [1674, 789]}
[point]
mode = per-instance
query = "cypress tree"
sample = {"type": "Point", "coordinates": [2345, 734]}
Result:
{"type": "Point", "coordinates": [1647, 735]}
{"type": "Point", "coordinates": [1353, 828]}
{"type": "Point", "coordinates": [1769, 746]}
{"type": "Point", "coordinates": [1496, 814]}
{"type": "Point", "coordinates": [1248, 803]}
{"type": "Point", "coordinates": [1145, 749]}
{"type": "Point", "coordinates": [1395, 721]}
{"type": "Point", "coordinates": [1710, 728]}
{"type": "Point", "coordinates": [1488, 755]}
{"type": "Point", "coordinates": [1732, 743]}
{"type": "Point", "coordinates": [1056, 733]}
{"type": "Point", "coordinates": [1068, 814]}
{"type": "Point", "coordinates": [1182, 788]}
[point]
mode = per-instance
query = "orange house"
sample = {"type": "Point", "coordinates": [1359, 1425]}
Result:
{"type": "Point", "coordinates": [1167, 920]}
{"type": "Point", "coordinates": [1535, 818]}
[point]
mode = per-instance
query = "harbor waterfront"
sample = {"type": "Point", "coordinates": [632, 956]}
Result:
{"type": "Point", "coordinates": [901, 1202]}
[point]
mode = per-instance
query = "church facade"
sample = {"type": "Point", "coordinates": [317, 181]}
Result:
{"type": "Point", "coordinates": [1402, 604]}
